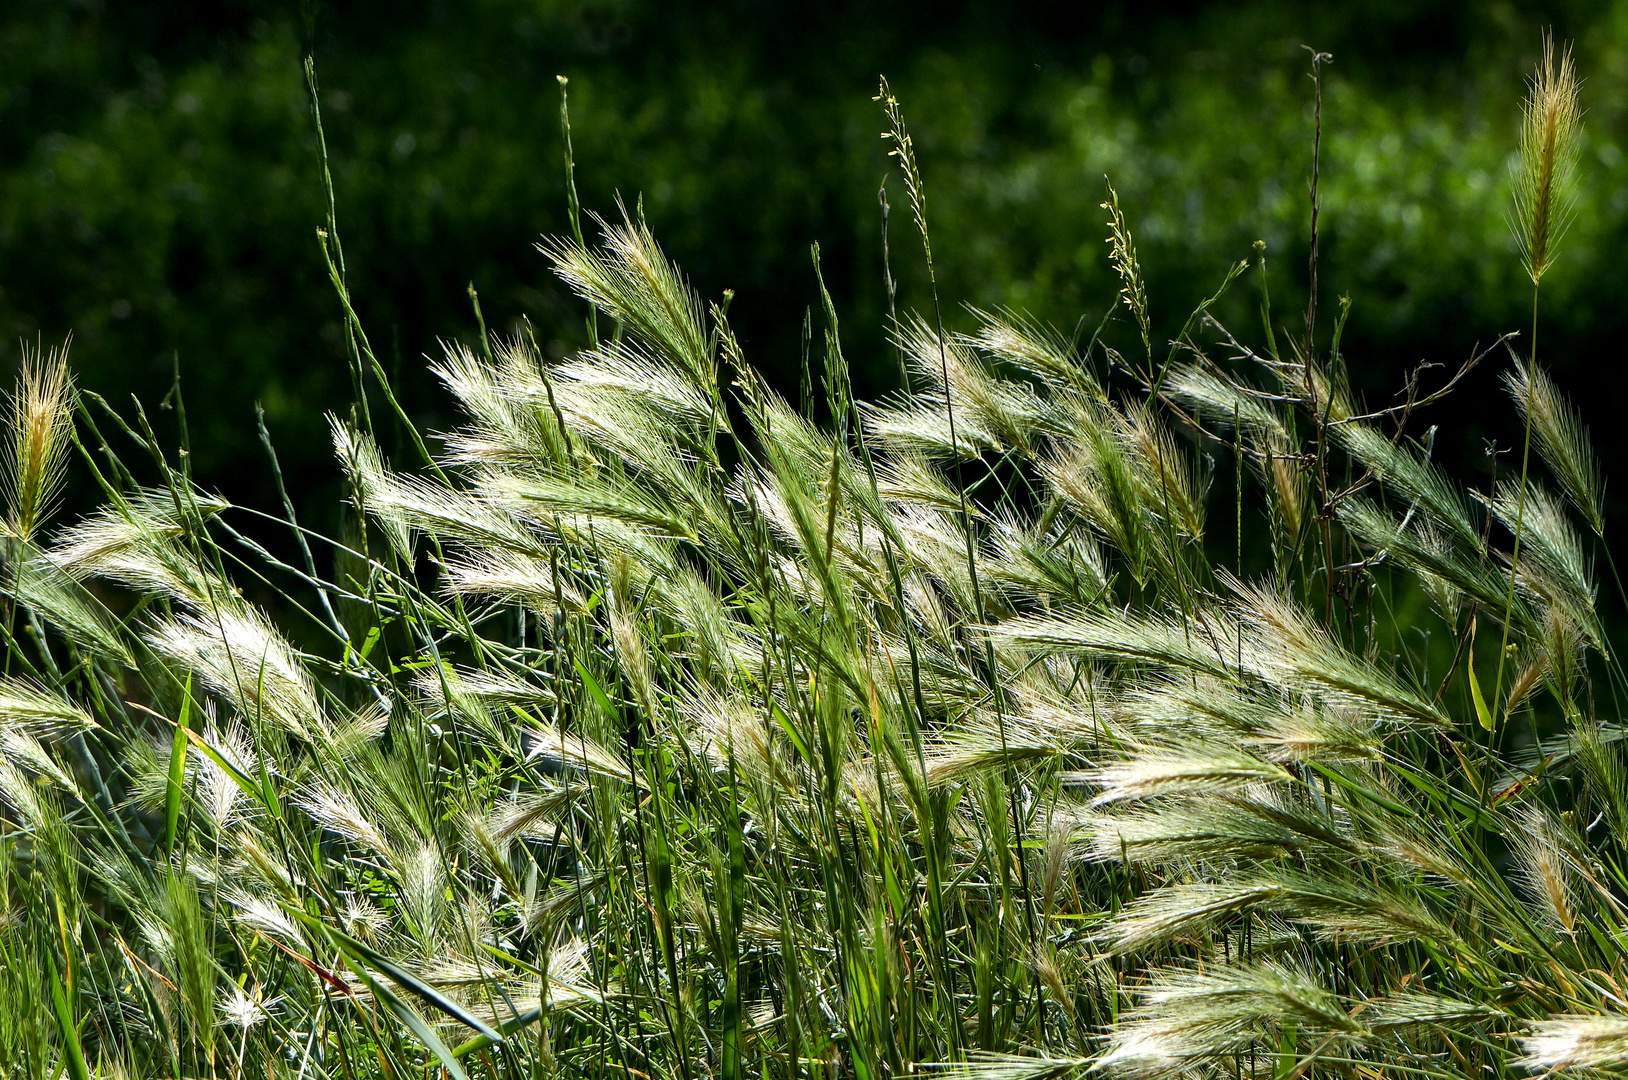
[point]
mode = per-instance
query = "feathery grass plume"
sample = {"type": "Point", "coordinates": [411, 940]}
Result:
{"type": "Point", "coordinates": [1337, 907]}
{"type": "Point", "coordinates": [1181, 910]}
{"type": "Point", "coordinates": [1563, 441]}
{"type": "Point", "coordinates": [1017, 339]}
{"type": "Point", "coordinates": [733, 734]}
{"type": "Point", "coordinates": [1420, 481]}
{"type": "Point", "coordinates": [1190, 769]}
{"type": "Point", "coordinates": [1133, 291]}
{"type": "Point", "coordinates": [549, 745]}
{"type": "Point", "coordinates": [1219, 401]}
{"type": "Point", "coordinates": [1600, 753]}
{"type": "Point", "coordinates": [1283, 645]}
{"type": "Point", "coordinates": [1576, 1041]}
{"type": "Point", "coordinates": [138, 543]}
{"type": "Point", "coordinates": [1108, 634]}
{"type": "Point", "coordinates": [1321, 734]}
{"type": "Point", "coordinates": [194, 966]}
{"type": "Point", "coordinates": [69, 608]}
{"type": "Point", "coordinates": [41, 424]}
{"type": "Point", "coordinates": [631, 280]}
{"type": "Point", "coordinates": [1543, 848]}
{"type": "Point", "coordinates": [1256, 825]}
{"type": "Point", "coordinates": [922, 427]}
{"type": "Point", "coordinates": [1195, 1016]}
{"type": "Point", "coordinates": [668, 504]}
{"type": "Point", "coordinates": [26, 1024]}
{"type": "Point", "coordinates": [1172, 484]}
{"type": "Point", "coordinates": [1555, 569]}
{"type": "Point", "coordinates": [26, 751]}
{"type": "Point", "coordinates": [28, 798]}
{"type": "Point", "coordinates": [259, 914]}
{"type": "Point", "coordinates": [1549, 144]}
{"type": "Point", "coordinates": [535, 817]}
{"type": "Point", "coordinates": [26, 706]}
{"type": "Point", "coordinates": [1449, 573]}
{"type": "Point", "coordinates": [1179, 706]}
{"type": "Point", "coordinates": [365, 469]}
{"type": "Point", "coordinates": [1062, 566]}
{"type": "Point", "coordinates": [627, 372]}
{"type": "Point", "coordinates": [1551, 126]}
{"type": "Point", "coordinates": [1271, 448]}
{"type": "Point", "coordinates": [507, 403]}
{"type": "Point", "coordinates": [338, 811]}
{"type": "Point", "coordinates": [1564, 644]}
{"type": "Point", "coordinates": [1012, 411]}
{"type": "Point", "coordinates": [1411, 1008]}
{"type": "Point", "coordinates": [243, 1012]}
{"type": "Point", "coordinates": [239, 655]}
{"type": "Point", "coordinates": [209, 781]}
{"type": "Point", "coordinates": [511, 577]}
{"type": "Point", "coordinates": [448, 687]}
{"type": "Point", "coordinates": [1095, 474]}
{"type": "Point", "coordinates": [904, 477]}
{"type": "Point", "coordinates": [405, 503]}
{"type": "Point", "coordinates": [1039, 730]}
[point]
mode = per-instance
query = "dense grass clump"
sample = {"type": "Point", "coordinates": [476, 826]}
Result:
{"type": "Point", "coordinates": [653, 727]}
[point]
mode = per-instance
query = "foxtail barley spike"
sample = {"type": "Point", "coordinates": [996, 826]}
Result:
{"type": "Point", "coordinates": [1550, 130]}
{"type": "Point", "coordinates": [41, 423]}
{"type": "Point", "coordinates": [1562, 439]}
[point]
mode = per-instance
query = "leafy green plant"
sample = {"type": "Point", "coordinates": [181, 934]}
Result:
{"type": "Point", "coordinates": [651, 727]}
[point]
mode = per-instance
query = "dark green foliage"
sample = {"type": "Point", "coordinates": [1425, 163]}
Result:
{"type": "Point", "coordinates": [159, 191]}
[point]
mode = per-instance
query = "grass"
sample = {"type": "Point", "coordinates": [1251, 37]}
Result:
{"type": "Point", "coordinates": [654, 727]}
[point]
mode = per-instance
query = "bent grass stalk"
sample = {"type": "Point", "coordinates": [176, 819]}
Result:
{"type": "Point", "coordinates": [1551, 129]}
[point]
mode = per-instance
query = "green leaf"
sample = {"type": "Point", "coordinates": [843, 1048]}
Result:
{"type": "Point", "coordinates": [362, 952]}
{"type": "Point", "coordinates": [1482, 713]}
{"type": "Point", "coordinates": [791, 730]}
{"type": "Point", "coordinates": [409, 1016]}
{"type": "Point", "coordinates": [593, 688]}
{"type": "Point", "coordinates": [263, 796]}
{"type": "Point", "coordinates": [178, 770]}
{"type": "Point", "coordinates": [72, 1052]}
{"type": "Point", "coordinates": [508, 1027]}
{"type": "Point", "coordinates": [371, 640]}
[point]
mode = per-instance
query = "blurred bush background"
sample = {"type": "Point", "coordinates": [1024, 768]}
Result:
{"type": "Point", "coordinates": [160, 185]}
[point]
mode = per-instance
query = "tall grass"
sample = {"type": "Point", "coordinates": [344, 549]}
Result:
{"type": "Point", "coordinates": [655, 729]}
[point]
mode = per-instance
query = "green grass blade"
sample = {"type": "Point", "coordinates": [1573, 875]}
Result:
{"type": "Point", "coordinates": [507, 1028]}
{"type": "Point", "coordinates": [409, 1016]}
{"type": "Point", "coordinates": [178, 770]}
{"type": "Point", "coordinates": [73, 1052]}
{"type": "Point", "coordinates": [363, 953]}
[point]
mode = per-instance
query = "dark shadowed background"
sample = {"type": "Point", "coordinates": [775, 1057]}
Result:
{"type": "Point", "coordinates": [160, 185]}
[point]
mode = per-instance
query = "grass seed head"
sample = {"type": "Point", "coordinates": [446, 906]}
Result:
{"type": "Point", "coordinates": [41, 425]}
{"type": "Point", "coordinates": [1551, 127]}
